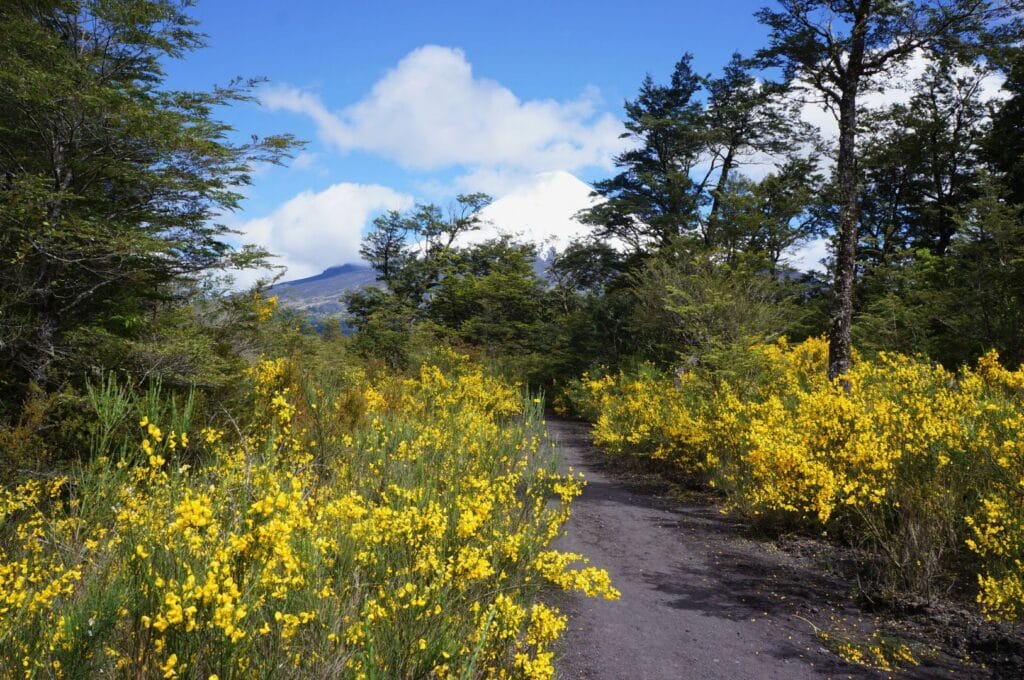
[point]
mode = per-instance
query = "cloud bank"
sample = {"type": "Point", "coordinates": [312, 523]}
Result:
{"type": "Point", "coordinates": [317, 230]}
{"type": "Point", "coordinates": [430, 112]}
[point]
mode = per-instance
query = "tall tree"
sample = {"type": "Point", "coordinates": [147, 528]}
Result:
{"type": "Point", "coordinates": [110, 182]}
{"type": "Point", "coordinates": [920, 162]}
{"type": "Point", "coordinates": [773, 215]}
{"type": "Point", "coordinates": [384, 248]}
{"type": "Point", "coordinates": [1005, 145]}
{"type": "Point", "coordinates": [491, 297]}
{"type": "Point", "coordinates": [410, 270]}
{"type": "Point", "coordinates": [438, 229]}
{"type": "Point", "coordinates": [981, 305]}
{"type": "Point", "coordinates": [745, 120]}
{"type": "Point", "coordinates": [692, 136]}
{"type": "Point", "coordinates": [654, 199]}
{"type": "Point", "coordinates": [837, 50]}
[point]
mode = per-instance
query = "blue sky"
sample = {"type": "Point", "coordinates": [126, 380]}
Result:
{"type": "Point", "coordinates": [404, 102]}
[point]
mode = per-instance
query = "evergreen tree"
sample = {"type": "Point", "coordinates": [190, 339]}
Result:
{"type": "Point", "coordinates": [654, 198]}
{"type": "Point", "coordinates": [1004, 147]}
{"type": "Point", "coordinates": [692, 136]}
{"type": "Point", "coordinates": [491, 297]}
{"type": "Point", "coordinates": [769, 217]}
{"type": "Point", "coordinates": [111, 183]}
{"type": "Point", "coordinates": [384, 248]}
{"type": "Point", "coordinates": [920, 163]}
{"type": "Point", "coordinates": [837, 51]}
{"type": "Point", "coordinates": [746, 121]}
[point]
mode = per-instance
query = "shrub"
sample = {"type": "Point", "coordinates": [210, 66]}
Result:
{"type": "Point", "coordinates": [919, 466]}
{"type": "Point", "coordinates": [356, 527]}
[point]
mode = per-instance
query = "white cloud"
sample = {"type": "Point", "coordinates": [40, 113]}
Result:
{"type": "Point", "coordinates": [540, 210]}
{"type": "Point", "coordinates": [494, 181]}
{"type": "Point", "coordinates": [316, 230]}
{"type": "Point", "coordinates": [431, 111]}
{"type": "Point", "coordinates": [309, 160]}
{"type": "Point", "coordinates": [808, 256]}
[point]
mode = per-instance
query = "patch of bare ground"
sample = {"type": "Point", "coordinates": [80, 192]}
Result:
{"type": "Point", "coordinates": [705, 596]}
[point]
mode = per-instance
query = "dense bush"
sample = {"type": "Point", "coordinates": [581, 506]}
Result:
{"type": "Point", "coordinates": [920, 466]}
{"type": "Point", "coordinates": [356, 527]}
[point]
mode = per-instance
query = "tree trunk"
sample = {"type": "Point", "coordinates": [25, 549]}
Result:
{"type": "Point", "coordinates": [840, 346]}
{"type": "Point", "coordinates": [45, 351]}
{"type": "Point", "coordinates": [719, 192]}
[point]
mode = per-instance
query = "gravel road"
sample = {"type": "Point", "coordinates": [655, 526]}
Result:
{"type": "Point", "coordinates": [699, 599]}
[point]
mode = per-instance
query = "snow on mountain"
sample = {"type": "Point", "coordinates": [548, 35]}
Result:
{"type": "Point", "coordinates": [540, 210]}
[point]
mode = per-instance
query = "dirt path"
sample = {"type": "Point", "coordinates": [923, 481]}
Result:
{"type": "Point", "coordinates": [699, 600]}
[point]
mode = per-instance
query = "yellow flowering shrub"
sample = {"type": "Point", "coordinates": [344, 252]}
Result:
{"type": "Point", "coordinates": [997, 523]}
{"type": "Point", "coordinates": [875, 651]}
{"type": "Point", "coordinates": [264, 307]}
{"type": "Point", "coordinates": [647, 413]}
{"type": "Point", "coordinates": [412, 543]}
{"type": "Point", "coordinates": [918, 465]}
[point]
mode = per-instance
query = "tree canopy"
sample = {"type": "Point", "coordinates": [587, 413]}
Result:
{"type": "Point", "coordinates": [112, 184]}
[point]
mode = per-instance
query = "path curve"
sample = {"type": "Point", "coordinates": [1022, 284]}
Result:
{"type": "Point", "coordinates": [699, 600]}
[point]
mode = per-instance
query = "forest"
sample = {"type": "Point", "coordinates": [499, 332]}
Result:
{"type": "Point", "coordinates": [198, 481]}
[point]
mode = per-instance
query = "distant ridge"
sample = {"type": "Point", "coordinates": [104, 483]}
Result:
{"type": "Point", "coordinates": [321, 294]}
{"type": "Point", "coordinates": [328, 273]}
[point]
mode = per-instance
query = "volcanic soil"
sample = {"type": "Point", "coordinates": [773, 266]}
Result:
{"type": "Point", "coordinates": [702, 595]}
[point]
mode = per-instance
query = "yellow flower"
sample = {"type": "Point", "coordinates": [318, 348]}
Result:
{"type": "Point", "coordinates": [168, 666]}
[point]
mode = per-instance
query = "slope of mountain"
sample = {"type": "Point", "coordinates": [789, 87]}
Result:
{"type": "Point", "coordinates": [321, 294]}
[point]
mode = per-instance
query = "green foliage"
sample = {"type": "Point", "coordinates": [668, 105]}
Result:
{"type": "Point", "coordinates": [654, 199]}
{"type": "Point", "coordinates": [1004, 146]}
{"type": "Point", "coordinates": [900, 305]}
{"type": "Point", "coordinates": [920, 163]}
{"type": "Point", "coordinates": [384, 325]}
{"type": "Point", "coordinates": [384, 248]}
{"type": "Point", "coordinates": [957, 306]}
{"type": "Point", "coordinates": [771, 216]}
{"type": "Point", "coordinates": [485, 295]}
{"type": "Point", "coordinates": [982, 302]}
{"type": "Point", "coordinates": [687, 153]}
{"type": "Point", "coordinates": [490, 296]}
{"type": "Point", "coordinates": [838, 51]}
{"type": "Point", "coordinates": [693, 302]}
{"type": "Point", "coordinates": [111, 182]}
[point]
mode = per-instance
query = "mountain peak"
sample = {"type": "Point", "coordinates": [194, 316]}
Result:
{"type": "Point", "coordinates": [329, 273]}
{"type": "Point", "coordinates": [541, 210]}
{"type": "Point", "coordinates": [322, 293]}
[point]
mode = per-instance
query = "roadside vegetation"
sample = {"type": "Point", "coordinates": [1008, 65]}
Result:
{"type": "Point", "coordinates": [197, 483]}
{"type": "Point", "coordinates": [356, 525]}
{"type": "Point", "coordinates": [916, 466]}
